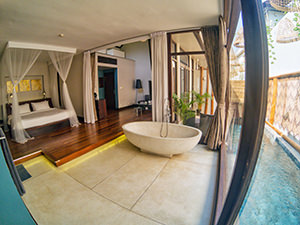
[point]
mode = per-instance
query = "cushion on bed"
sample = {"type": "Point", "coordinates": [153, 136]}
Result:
{"type": "Point", "coordinates": [24, 108]}
{"type": "Point", "coordinates": [36, 106]}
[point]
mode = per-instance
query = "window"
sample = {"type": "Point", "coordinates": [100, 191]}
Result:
{"type": "Point", "coordinates": [173, 49]}
{"type": "Point", "coordinates": [184, 59]}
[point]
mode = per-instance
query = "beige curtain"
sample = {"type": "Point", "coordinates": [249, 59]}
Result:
{"type": "Point", "coordinates": [88, 95]}
{"type": "Point", "coordinates": [217, 59]}
{"type": "Point", "coordinates": [159, 52]}
{"type": "Point", "coordinates": [62, 62]}
{"type": "Point", "coordinates": [16, 62]}
{"type": "Point", "coordinates": [95, 87]}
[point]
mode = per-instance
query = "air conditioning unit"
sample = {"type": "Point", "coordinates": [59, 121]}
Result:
{"type": "Point", "coordinates": [115, 52]}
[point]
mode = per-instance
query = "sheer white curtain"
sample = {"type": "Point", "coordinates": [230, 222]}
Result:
{"type": "Point", "coordinates": [88, 97]}
{"type": "Point", "coordinates": [53, 85]}
{"type": "Point", "coordinates": [62, 62]}
{"type": "Point", "coordinates": [159, 53]}
{"type": "Point", "coordinates": [17, 63]}
{"type": "Point", "coordinates": [2, 98]}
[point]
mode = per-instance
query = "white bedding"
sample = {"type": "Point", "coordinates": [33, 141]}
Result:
{"type": "Point", "coordinates": [42, 117]}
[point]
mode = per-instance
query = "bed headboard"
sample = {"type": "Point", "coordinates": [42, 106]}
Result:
{"type": "Point", "coordinates": [9, 105]}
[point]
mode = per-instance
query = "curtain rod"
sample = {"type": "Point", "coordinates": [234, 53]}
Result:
{"type": "Point", "coordinates": [121, 42]}
{"type": "Point", "coordinates": [25, 45]}
{"type": "Point", "coordinates": [138, 38]}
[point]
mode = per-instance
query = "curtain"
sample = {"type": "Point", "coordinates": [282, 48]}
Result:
{"type": "Point", "coordinates": [232, 11]}
{"type": "Point", "coordinates": [217, 59]}
{"type": "Point", "coordinates": [159, 55]}
{"type": "Point", "coordinates": [2, 99]}
{"type": "Point", "coordinates": [62, 62]}
{"type": "Point", "coordinates": [88, 95]}
{"type": "Point", "coordinates": [95, 78]}
{"type": "Point", "coordinates": [95, 82]}
{"type": "Point", "coordinates": [17, 63]}
{"type": "Point", "coordinates": [53, 86]}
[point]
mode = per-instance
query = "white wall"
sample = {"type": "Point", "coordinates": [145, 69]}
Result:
{"type": "Point", "coordinates": [75, 84]}
{"type": "Point", "coordinates": [39, 68]}
{"type": "Point", "coordinates": [139, 52]}
{"type": "Point", "coordinates": [125, 83]}
{"type": "Point", "coordinates": [126, 91]}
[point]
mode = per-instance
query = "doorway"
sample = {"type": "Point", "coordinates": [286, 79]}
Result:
{"type": "Point", "coordinates": [108, 84]}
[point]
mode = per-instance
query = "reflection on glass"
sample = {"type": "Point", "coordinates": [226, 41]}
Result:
{"type": "Point", "coordinates": [24, 85]}
{"type": "Point", "coordinates": [236, 104]}
{"type": "Point", "coordinates": [173, 47]}
{"type": "Point", "coordinates": [36, 85]}
{"type": "Point", "coordinates": [274, 191]}
{"type": "Point", "coordinates": [184, 59]}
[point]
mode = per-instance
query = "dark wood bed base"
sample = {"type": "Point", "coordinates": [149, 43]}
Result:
{"type": "Point", "coordinates": [43, 129]}
{"type": "Point", "coordinates": [48, 128]}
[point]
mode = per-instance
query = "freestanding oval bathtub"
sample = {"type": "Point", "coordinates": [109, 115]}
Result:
{"type": "Point", "coordinates": [146, 136]}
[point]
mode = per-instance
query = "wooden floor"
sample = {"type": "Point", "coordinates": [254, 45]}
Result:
{"type": "Point", "coordinates": [68, 143]}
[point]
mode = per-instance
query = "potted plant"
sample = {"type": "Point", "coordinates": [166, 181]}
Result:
{"type": "Point", "coordinates": [183, 107]}
{"type": "Point", "coordinates": [200, 99]}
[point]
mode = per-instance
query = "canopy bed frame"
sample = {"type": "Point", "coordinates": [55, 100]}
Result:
{"type": "Point", "coordinates": [16, 61]}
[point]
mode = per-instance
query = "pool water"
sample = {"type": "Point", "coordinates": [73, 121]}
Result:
{"type": "Point", "coordinates": [274, 193]}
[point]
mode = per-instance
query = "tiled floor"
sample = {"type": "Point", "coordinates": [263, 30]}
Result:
{"type": "Point", "coordinates": [117, 184]}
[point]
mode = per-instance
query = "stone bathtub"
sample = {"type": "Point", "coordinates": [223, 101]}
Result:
{"type": "Point", "coordinates": [146, 136]}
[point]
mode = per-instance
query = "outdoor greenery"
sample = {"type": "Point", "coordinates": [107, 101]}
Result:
{"type": "Point", "coordinates": [269, 28]}
{"type": "Point", "coordinates": [184, 106]}
{"type": "Point", "coordinates": [297, 20]}
{"type": "Point", "coordinates": [271, 40]}
{"type": "Point", "coordinates": [270, 44]}
{"type": "Point", "coordinates": [200, 99]}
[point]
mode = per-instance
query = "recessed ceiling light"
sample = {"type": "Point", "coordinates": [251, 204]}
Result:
{"type": "Point", "coordinates": [61, 35]}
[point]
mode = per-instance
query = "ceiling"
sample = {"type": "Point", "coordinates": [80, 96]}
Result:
{"type": "Point", "coordinates": [87, 24]}
{"type": "Point", "coordinates": [187, 41]}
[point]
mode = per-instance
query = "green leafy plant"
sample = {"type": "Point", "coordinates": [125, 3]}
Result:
{"type": "Point", "coordinates": [272, 54]}
{"type": "Point", "coordinates": [183, 105]}
{"type": "Point", "coordinates": [297, 20]}
{"type": "Point", "coordinates": [200, 99]}
{"type": "Point", "coordinates": [270, 44]}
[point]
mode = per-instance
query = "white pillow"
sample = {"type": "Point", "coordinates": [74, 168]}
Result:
{"type": "Point", "coordinates": [24, 108]}
{"type": "Point", "coordinates": [36, 106]}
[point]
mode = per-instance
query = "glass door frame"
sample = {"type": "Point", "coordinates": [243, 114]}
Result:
{"type": "Point", "coordinates": [255, 104]}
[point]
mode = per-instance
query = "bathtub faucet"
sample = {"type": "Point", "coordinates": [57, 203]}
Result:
{"type": "Point", "coordinates": [166, 118]}
{"type": "Point", "coordinates": [168, 111]}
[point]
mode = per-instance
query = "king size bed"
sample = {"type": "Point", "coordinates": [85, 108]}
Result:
{"type": "Point", "coordinates": [40, 117]}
